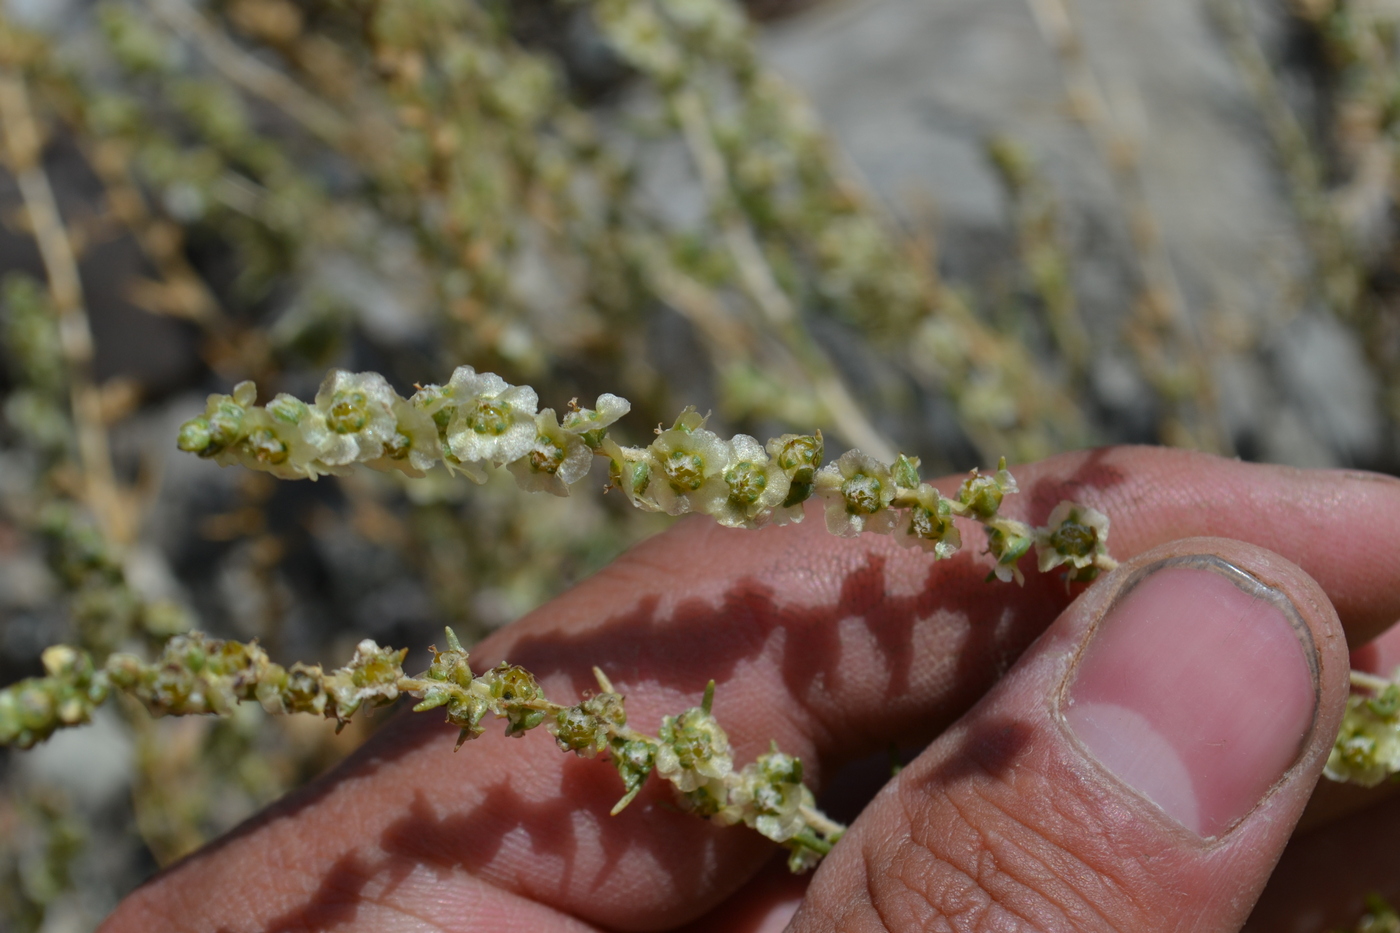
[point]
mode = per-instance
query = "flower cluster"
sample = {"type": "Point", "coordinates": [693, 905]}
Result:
{"type": "Point", "coordinates": [1367, 750]}
{"type": "Point", "coordinates": [474, 420]}
{"type": "Point", "coordinates": [1380, 917]}
{"type": "Point", "coordinates": [196, 674]}
{"type": "Point", "coordinates": [691, 750]}
{"type": "Point", "coordinates": [33, 709]}
{"type": "Point", "coordinates": [478, 420]}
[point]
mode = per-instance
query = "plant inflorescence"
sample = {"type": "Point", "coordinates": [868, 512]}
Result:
{"type": "Point", "coordinates": [476, 421]}
{"type": "Point", "coordinates": [195, 675]}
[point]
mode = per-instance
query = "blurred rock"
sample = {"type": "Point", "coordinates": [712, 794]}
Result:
{"type": "Point", "coordinates": [913, 89]}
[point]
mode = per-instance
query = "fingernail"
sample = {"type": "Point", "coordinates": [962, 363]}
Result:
{"type": "Point", "coordinates": [1197, 689]}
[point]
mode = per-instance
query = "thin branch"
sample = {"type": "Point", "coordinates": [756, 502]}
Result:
{"type": "Point", "coordinates": [23, 150]}
{"type": "Point", "coordinates": [1369, 681]}
{"type": "Point", "coordinates": [1119, 152]}
{"type": "Point", "coordinates": [762, 286]}
{"type": "Point", "coordinates": [252, 75]}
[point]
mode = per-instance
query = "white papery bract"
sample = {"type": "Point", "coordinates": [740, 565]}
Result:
{"type": "Point", "coordinates": [591, 423]}
{"type": "Point", "coordinates": [416, 444]}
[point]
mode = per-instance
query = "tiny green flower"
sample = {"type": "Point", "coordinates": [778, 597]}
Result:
{"type": "Point", "coordinates": [757, 486]}
{"type": "Point", "coordinates": [858, 492]}
{"type": "Point", "coordinates": [1008, 541]}
{"type": "Point", "coordinates": [981, 494]}
{"type": "Point", "coordinates": [931, 524]}
{"type": "Point", "coordinates": [630, 469]}
{"type": "Point", "coordinates": [1075, 536]}
{"type": "Point", "coordinates": [591, 424]}
{"type": "Point", "coordinates": [558, 458]}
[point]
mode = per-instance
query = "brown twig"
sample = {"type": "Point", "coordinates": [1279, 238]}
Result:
{"type": "Point", "coordinates": [23, 149]}
{"type": "Point", "coordinates": [759, 283]}
{"type": "Point", "coordinates": [1162, 303]}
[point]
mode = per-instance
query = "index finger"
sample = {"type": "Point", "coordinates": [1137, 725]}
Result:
{"type": "Point", "coordinates": [832, 647]}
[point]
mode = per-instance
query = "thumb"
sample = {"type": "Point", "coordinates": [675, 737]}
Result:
{"type": "Point", "coordinates": [1140, 768]}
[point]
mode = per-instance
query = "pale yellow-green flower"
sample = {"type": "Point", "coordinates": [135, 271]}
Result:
{"type": "Point", "coordinates": [1008, 541]}
{"type": "Point", "coordinates": [769, 796]}
{"type": "Point", "coordinates": [352, 419]}
{"type": "Point", "coordinates": [1367, 750]}
{"type": "Point", "coordinates": [930, 524]}
{"type": "Point", "coordinates": [558, 459]}
{"type": "Point", "coordinates": [492, 421]}
{"type": "Point", "coordinates": [757, 486]}
{"type": "Point", "coordinates": [629, 470]}
{"type": "Point", "coordinates": [858, 491]}
{"type": "Point", "coordinates": [980, 495]}
{"type": "Point", "coordinates": [1075, 536]}
{"type": "Point", "coordinates": [416, 445]}
{"type": "Point", "coordinates": [591, 424]}
{"type": "Point", "coordinates": [694, 750]}
{"type": "Point", "coordinates": [688, 464]}
{"type": "Point", "coordinates": [799, 456]}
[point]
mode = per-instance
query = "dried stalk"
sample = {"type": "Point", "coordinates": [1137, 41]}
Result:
{"type": "Point", "coordinates": [23, 149]}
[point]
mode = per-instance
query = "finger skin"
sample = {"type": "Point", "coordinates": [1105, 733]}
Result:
{"type": "Point", "coordinates": [1333, 864]}
{"type": "Point", "coordinates": [1006, 823]}
{"type": "Point", "coordinates": [832, 647]}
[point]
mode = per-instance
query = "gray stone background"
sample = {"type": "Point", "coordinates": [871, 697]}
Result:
{"type": "Point", "coordinates": [913, 88]}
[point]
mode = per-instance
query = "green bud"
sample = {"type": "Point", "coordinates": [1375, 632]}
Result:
{"type": "Point", "coordinates": [287, 408]}
{"type": "Point", "coordinates": [862, 494]}
{"type": "Point", "coordinates": [226, 424]}
{"type": "Point", "coordinates": [905, 472]}
{"type": "Point", "coordinates": [194, 435]}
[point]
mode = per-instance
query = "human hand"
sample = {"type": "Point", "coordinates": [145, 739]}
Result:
{"type": "Point", "coordinates": [1019, 815]}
